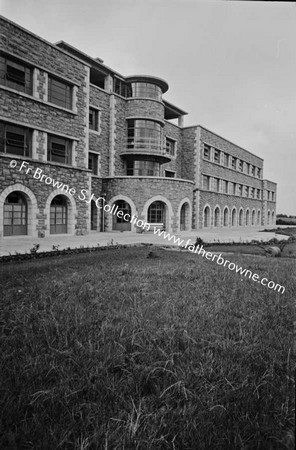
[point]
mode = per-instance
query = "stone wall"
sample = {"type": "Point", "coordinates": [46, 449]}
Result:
{"type": "Point", "coordinates": [141, 191]}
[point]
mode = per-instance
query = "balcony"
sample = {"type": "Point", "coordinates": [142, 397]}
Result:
{"type": "Point", "coordinates": [146, 147]}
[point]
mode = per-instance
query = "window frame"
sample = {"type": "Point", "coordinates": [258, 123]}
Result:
{"type": "Point", "coordinates": [53, 139]}
{"type": "Point", "coordinates": [170, 146]}
{"type": "Point", "coordinates": [207, 151]}
{"type": "Point", "coordinates": [13, 129]}
{"type": "Point", "coordinates": [94, 159]}
{"type": "Point", "coordinates": [55, 97]}
{"type": "Point", "coordinates": [94, 124]}
{"type": "Point", "coordinates": [11, 81]}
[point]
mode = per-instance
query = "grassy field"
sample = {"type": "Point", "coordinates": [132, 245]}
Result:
{"type": "Point", "coordinates": [115, 350]}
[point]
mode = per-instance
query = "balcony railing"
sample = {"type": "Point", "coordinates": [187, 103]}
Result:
{"type": "Point", "coordinates": [149, 146]}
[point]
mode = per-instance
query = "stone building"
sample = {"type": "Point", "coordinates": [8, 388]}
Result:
{"type": "Point", "coordinates": [76, 136]}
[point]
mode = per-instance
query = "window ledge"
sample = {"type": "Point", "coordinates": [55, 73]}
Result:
{"type": "Point", "coordinates": [97, 132]}
{"type": "Point", "coordinates": [31, 97]}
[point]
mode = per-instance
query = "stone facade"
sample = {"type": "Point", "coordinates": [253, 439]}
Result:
{"type": "Point", "coordinates": [99, 138]}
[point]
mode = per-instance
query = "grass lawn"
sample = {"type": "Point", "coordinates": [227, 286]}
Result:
{"type": "Point", "coordinates": [115, 350]}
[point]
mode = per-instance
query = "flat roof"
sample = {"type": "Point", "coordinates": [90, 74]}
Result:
{"type": "Point", "coordinates": [172, 111]}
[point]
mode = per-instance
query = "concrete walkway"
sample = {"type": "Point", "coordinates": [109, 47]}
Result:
{"type": "Point", "coordinates": [25, 243]}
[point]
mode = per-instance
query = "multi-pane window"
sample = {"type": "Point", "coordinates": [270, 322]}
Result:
{"type": "Point", "coordinates": [93, 163]}
{"type": "Point", "coordinates": [247, 168]}
{"type": "Point", "coordinates": [233, 162]}
{"type": "Point", "coordinates": [258, 172]}
{"type": "Point", "coordinates": [59, 150]}
{"type": "Point", "coordinates": [156, 212]}
{"type": "Point", "coordinates": [240, 165]}
{"type": "Point", "coordinates": [253, 169]}
{"type": "Point", "coordinates": [93, 119]}
{"type": "Point", "coordinates": [170, 145]}
{"type": "Point", "coordinates": [206, 182]}
{"type": "Point", "coordinates": [240, 190]}
{"type": "Point", "coordinates": [144, 135]}
{"type": "Point", "coordinates": [15, 140]}
{"type": "Point", "coordinates": [246, 191]}
{"type": "Point", "coordinates": [143, 168]}
{"type": "Point", "coordinates": [122, 88]}
{"type": "Point", "coordinates": [258, 194]}
{"type": "Point", "coordinates": [59, 92]}
{"type": "Point", "coordinates": [251, 192]}
{"type": "Point", "coordinates": [226, 159]}
{"type": "Point", "coordinates": [216, 183]}
{"type": "Point", "coordinates": [207, 152]}
{"type": "Point", "coordinates": [217, 156]}
{"type": "Point", "coordinates": [225, 187]}
{"type": "Point", "coordinates": [146, 90]}
{"type": "Point", "coordinates": [15, 75]}
{"type": "Point", "coordinates": [15, 214]}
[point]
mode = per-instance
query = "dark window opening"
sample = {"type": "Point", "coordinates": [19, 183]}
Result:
{"type": "Point", "coordinates": [59, 93]}
{"type": "Point", "coordinates": [15, 75]}
{"type": "Point", "coordinates": [207, 152]}
{"type": "Point", "coordinates": [93, 163]}
{"type": "Point", "coordinates": [59, 150]}
{"type": "Point", "coordinates": [170, 145]}
{"type": "Point", "coordinates": [15, 140]}
{"type": "Point", "coordinates": [169, 174]}
{"type": "Point", "coordinates": [143, 168]}
{"type": "Point", "coordinates": [93, 119]}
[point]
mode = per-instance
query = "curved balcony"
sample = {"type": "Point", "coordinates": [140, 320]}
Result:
{"type": "Point", "coordinates": [146, 147]}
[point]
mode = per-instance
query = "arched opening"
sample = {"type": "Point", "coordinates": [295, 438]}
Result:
{"type": "Point", "coordinates": [241, 217]}
{"type": "Point", "coordinates": [272, 218]}
{"type": "Point", "coordinates": [253, 217]}
{"type": "Point", "coordinates": [59, 215]}
{"type": "Point", "coordinates": [233, 218]}
{"type": "Point", "coordinates": [157, 213]}
{"type": "Point", "coordinates": [119, 222]}
{"type": "Point", "coordinates": [268, 217]}
{"type": "Point", "coordinates": [247, 218]}
{"type": "Point", "coordinates": [15, 215]}
{"type": "Point", "coordinates": [259, 218]}
{"type": "Point", "coordinates": [207, 217]}
{"type": "Point", "coordinates": [185, 217]}
{"type": "Point", "coordinates": [93, 216]}
{"type": "Point", "coordinates": [217, 217]}
{"type": "Point", "coordinates": [225, 217]}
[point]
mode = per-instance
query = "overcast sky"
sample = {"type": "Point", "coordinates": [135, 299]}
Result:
{"type": "Point", "coordinates": [231, 65]}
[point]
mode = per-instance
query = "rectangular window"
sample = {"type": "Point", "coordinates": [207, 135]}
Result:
{"type": "Point", "coordinates": [246, 191]}
{"type": "Point", "coordinates": [273, 196]}
{"type": "Point", "coordinates": [253, 169]}
{"type": "Point", "coordinates": [122, 88]}
{"type": "Point", "coordinates": [251, 192]}
{"type": "Point", "coordinates": [15, 140]}
{"type": "Point", "coordinates": [15, 75]}
{"type": "Point", "coordinates": [59, 150]}
{"type": "Point", "coordinates": [170, 146]}
{"type": "Point", "coordinates": [233, 162]}
{"type": "Point", "coordinates": [226, 160]}
{"type": "Point", "coordinates": [169, 174]}
{"type": "Point", "coordinates": [217, 156]}
{"type": "Point", "coordinates": [216, 184]}
{"type": "Point", "coordinates": [93, 163]}
{"type": "Point", "coordinates": [206, 182]}
{"type": "Point", "coordinates": [207, 152]}
{"type": "Point", "coordinates": [240, 190]}
{"type": "Point", "coordinates": [258, 194]}
{"type": "Point", "coordinates": [59, 93]}
{"type": "Point", "coordinates": [240, 165]}
{"type": "Point", "coordinates": [93, 119]}
{"type": "Point", "coordinates": [225, 186]}
{"type": "Point", "coordinates": [247, 168]}
{"type": "Point", "coordinates": [258, 172]}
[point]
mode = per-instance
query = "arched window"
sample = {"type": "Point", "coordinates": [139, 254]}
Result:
{"type": "Point", "coordinates": [233, 218]}
{"type": "Point", "coordinates": [225, 217]}
{"type": "Point", "coordinates": [156, 212]}
{"type": "Point", "coordinates": [119, 222]}
{"type": "Point", "coordinates": [217, 217]}
{"type": "Point", "coordinates": [59, 215]}
{"type": "Point", "coordinates": [247, 217]}
{"type": "Point", "coordinates": [184, 217]}
{"type": "Point", "coordinates": [268, 217]}
{"type": "Point", "coordinates": [241, 218]}
{"type": "Point", "coordinates": [259, 218]}
{"type": "Point", "coordinates": [253, 217]}
{"type": "Point", "coordinates": [207, 217]}
{"type": "Point", "coordinates": [15, 215]}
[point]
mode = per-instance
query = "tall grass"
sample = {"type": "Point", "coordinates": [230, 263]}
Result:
{"type": "Point", "coordinates": [117, 351]}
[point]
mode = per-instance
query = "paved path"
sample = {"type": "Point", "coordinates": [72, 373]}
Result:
{"type": "Point", "coordinates": [24, 244]}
